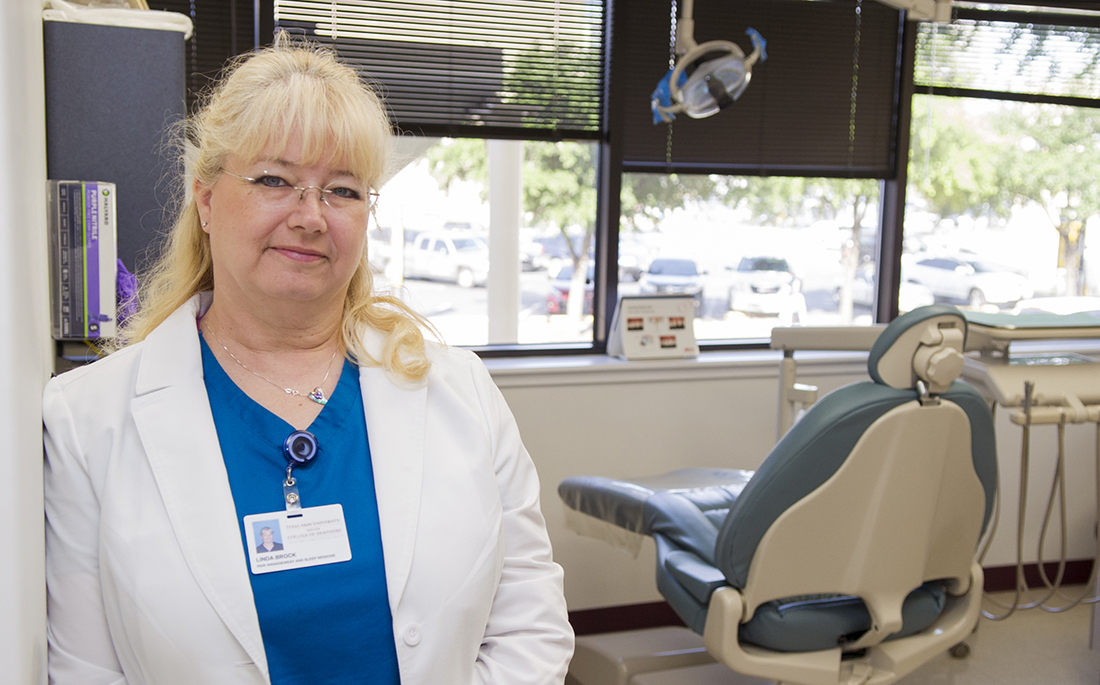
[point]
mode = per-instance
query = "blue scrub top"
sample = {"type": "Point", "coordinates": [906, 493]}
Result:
{"type": "Point", "coordinates": [322, 624]}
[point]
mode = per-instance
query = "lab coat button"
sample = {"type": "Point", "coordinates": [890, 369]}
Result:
{"type": "Point", "coordinates": [412, 635]}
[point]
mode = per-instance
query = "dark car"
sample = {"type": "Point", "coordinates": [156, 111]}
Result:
{"type": "Point", "coordinates": [557, 299]}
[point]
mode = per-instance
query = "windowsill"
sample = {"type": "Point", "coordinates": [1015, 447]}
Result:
{"type": "Point", "coordinates": [595, 369]}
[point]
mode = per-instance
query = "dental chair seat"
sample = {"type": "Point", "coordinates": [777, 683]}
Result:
{"type": "Point", "coordinates": [848, 556]}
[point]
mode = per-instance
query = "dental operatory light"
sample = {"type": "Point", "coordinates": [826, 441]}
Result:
{"type": "Point", "coordinates": [707, 77]}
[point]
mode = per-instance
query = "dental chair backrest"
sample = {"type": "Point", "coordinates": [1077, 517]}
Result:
{"type": "Point", "coordinates": [881, 486]}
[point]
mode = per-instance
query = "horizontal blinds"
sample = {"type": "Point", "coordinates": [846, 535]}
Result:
{"type": "Point", "coordinates": [798, 115]}
{"type": "Point", "coordinates": [470, 67]}
{"type": "Point", "coordinates": [1025, 53]}
{"type": "Point", "coordinates": [222, 30]}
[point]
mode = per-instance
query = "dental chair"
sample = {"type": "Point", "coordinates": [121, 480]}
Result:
{"type": "Point", "coordinates": [848, 556]}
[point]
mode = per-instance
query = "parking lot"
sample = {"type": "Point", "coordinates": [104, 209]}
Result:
{"type": "Point", "coordinates": [461, 313]}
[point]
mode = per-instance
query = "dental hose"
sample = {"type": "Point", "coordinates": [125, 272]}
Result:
{"type": "Point", "coordinates": [1058, 487]}
{"type": "Point", "coordinates": [1025, 458]}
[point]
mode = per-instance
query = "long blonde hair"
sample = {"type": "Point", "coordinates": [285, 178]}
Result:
{"type": "Point", "coordinates": [257, 105]}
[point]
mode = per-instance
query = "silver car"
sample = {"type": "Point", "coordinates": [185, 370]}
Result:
{"type": "Point", "coordinates": [459, 256]}
{"type": "Point", "coordinates": [963, 279]}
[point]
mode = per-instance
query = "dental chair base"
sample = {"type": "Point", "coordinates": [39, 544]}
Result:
{"type": "Point", "coordinates": [615, 658]}
{"type": "Point", "coordinates": [712, 674]}
{"type": "Point", "coordinates": [650, 656]}
{"type": "Point", "coordinates": [884, 663]}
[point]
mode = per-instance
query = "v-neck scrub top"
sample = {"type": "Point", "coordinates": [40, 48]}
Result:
{"type": "Point", "coordinates": [322, 624]}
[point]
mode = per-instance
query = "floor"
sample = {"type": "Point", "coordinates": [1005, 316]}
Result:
{"type": "Point", "coordinates": [1031, 646]}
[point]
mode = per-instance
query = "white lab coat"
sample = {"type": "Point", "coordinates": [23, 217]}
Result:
{"type": "Point", "coordinates": [146, 573]}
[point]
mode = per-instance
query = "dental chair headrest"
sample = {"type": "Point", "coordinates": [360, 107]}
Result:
{"type": "Point", "coordinates": [925, 344]}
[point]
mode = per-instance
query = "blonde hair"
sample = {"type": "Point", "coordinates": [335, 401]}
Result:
{"type": "Point", "coordinates": [261, 101]}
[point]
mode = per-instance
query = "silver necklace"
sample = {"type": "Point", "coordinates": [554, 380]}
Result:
{"type": "Point", "coordinates": [317, 394]}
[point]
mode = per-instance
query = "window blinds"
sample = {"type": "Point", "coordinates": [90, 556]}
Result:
{"type": "Point", "coordinates": [483, 68]}
{"type": "Point", "coordinates": [823, 104]}
{"type": "Point", "coordinates": [1043, 53]}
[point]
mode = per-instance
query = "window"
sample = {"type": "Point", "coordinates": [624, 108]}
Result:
{"type": "Point", "coordinates": [500, 104]}
{"type": "Point", "coordinates": [789, 176]}
{"type": "Point", "coordinates": [1000, 215]}
{"type": "Point", "coordinates": [438, 247]}
{"type": "Point", "coordinates": [755, 252]}
{"type": "Point", "coordinates": [998, 92]}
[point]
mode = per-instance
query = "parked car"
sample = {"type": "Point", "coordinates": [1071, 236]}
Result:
{"type": "Point", "coordinates": [971, 281]}
{"type": "Point", "coordinates": [556, 248]}
{"type": "Point", "coordinates": [459, 256]}
{"type": "Point", "coordinates": [764, 285]}
{"type": "Point", "coordinates": [531, 255]}
{"type": "Point", "coordinates": [910, 295]}
{"type": "Point", "coordinates": [674, 276]}
{"type": "Point", "coordinates": [557, 298]}
{"type": "Point", "coordinates": [634, 257]}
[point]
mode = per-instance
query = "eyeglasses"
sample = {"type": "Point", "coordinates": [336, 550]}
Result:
{"type": "Point", "coordinates": [279, 191]}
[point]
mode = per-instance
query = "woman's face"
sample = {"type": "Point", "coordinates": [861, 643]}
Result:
{"type": "Point", "coordinates": [268, 245]}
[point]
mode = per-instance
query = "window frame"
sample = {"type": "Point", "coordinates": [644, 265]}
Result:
{"type": "Point", "coordinates": [610, 168]}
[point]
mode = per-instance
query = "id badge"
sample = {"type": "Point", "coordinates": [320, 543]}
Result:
{"type": "Point", "coordinates": [285, 540]}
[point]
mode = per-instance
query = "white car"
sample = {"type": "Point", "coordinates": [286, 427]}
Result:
{"type": "Point", "coordinates": [970, 281]}
{"type": "Point", "coordinates": [459, 256]}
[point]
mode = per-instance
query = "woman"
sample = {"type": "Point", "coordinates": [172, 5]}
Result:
{"type": "Point", "coordinates": [264, 386]}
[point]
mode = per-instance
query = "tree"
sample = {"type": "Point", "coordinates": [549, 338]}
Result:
{"type": "Point", "coordinates": [1051, 156]}
{"type": "Point", "coordinates": [952, 165]}
{"type": "Point", "coordinates": [646, 199]}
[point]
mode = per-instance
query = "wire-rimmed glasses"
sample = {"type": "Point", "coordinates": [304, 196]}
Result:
{"type": "Point", "coordinates": [339, 197]}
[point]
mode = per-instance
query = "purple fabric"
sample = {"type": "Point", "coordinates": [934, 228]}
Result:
{"type": "Point", "coordinates": [126, 287]}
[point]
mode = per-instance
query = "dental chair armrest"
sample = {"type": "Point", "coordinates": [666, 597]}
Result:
{"type": "Point", "coordinates": [697, 576]}
{"type": "Point", "coordinates": [720, 636]}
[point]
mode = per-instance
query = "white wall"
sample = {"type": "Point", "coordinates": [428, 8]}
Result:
{"type": "Point", "coordinates": [643, 420]}
{"type": "Point", "coordinates": [26, 361]}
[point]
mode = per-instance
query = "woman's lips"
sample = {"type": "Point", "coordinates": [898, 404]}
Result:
{"type": "Point", "coordinates": [299, 254]}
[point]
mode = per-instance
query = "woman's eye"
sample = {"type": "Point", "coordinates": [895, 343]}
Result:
{"type": "Point", "coordinates": [346, 193]}
{"type": "Point", "coordinates": [272, 181]}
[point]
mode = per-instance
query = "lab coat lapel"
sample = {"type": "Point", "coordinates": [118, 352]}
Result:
{"type": "Point", "coordinates": [172, 413]}
{"type": "Point", "coordinates": [395, 417]}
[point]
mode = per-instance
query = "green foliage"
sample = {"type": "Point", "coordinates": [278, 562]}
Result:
{"type": "Point", "coordinates": [460, 159]}
{"type": "Point", "coordinates": [646, 199]}
{"type": "Point", "coordinates": [559, 184]}
{"type": "Point", "coordinates": [951, 167]}
{"type": "Point", "coordinates": [564, 100]}
{"type": "Point", "coordinates": [559, 179]}
{"type": "Point", "coordinates": [1051, 156]}
{"type": "Point", "coordinates": [975, 160]}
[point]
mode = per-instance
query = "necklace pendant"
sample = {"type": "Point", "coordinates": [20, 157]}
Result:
{"type": "Point", "coordinates": [318, 396]}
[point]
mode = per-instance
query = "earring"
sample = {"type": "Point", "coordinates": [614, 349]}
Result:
{"type": "Point", "coordinates": [204, 224]}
